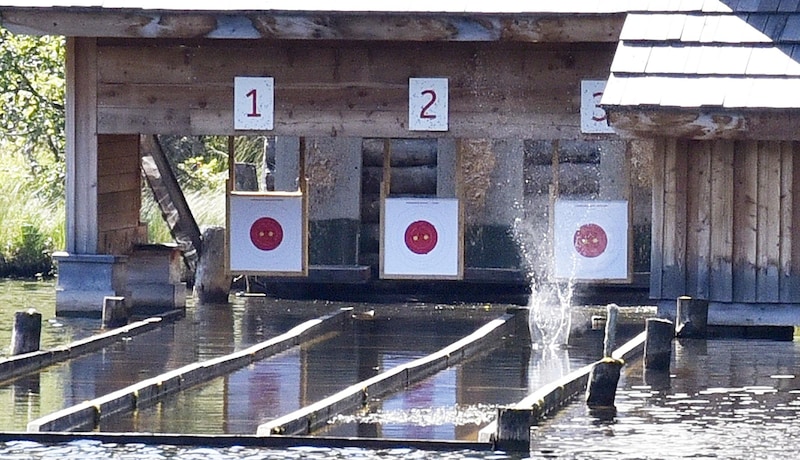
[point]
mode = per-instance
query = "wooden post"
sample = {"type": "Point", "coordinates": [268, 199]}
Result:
{"type": "Point", "coordinates": [602, 388]}
{"type": "Point", "coordinates": [658, 344]}
{"type": "Point", "coordinates": [27, 333]}
{"type": "Point", "coordinates": [115, 312]}
{"type": "Point", "coordinates": [611, 330]}
{"type": "Point", "coordinates": [513, 430]}
{"type": "Point", "coordinates": [212, 283]}
{"type": "Point", "coordinates": [692, 317]}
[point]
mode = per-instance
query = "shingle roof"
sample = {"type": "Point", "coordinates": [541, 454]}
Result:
{"type": "Point", "coordinates": [708, 53]}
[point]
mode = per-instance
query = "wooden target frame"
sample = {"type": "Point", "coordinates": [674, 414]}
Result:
{"type": "Point", "coordinates": [265, 226]}
{"type": "Point", "coordinates": [419, 253]}
{"type": "Point", "coordinates": [592, 241]}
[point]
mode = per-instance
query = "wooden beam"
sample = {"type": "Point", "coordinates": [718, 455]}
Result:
{"type": "Point", "coordinates": [657, 227]}
{"type": "Point", "coordinates": [769, 222]}
{"type": "Point", "coordinates": [721, 224]}
{"type": "Point", "coordinates": [745, 221]}
{"type": "Point", "coordinates": [422, 27]}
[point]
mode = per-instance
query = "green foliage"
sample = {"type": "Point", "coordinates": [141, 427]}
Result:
{"type": "Point", "coordinates": [31, 147]}
{"type": "Point", "coordinates": [32, 101]}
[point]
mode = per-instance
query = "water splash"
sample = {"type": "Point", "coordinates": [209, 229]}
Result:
{"type": "Point", "coordinates": [550, 312]}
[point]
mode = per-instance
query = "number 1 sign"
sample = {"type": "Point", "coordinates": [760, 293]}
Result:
{"type": "Point", "coordinates": [254, 103]}
{"type": "Point", "coordinates": [427, 104]}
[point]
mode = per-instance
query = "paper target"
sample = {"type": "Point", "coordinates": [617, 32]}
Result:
{"type": "Point", "coordinates": [266, 233]}
{"type": "Point", "coordinates": [591, 240]}
{"type": "Point", "coordinates": [421, 238]}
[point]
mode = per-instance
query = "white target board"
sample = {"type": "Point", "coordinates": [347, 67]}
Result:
{"type": "Point", "coordinates": [267, 234]}
{"type": "Point", "coordinates": [421, 238]}
{"type": "Point", "coordinates": [591, 240]}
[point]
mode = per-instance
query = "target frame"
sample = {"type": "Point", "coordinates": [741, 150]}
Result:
{"type": "Point", "coordinates": [250, 215]}
{"type": "Point", "coordinates": [443, 259]}
{"type": "Point", "coordinates": [607, 261]}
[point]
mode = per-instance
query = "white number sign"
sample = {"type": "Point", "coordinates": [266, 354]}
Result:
{"type": "Point", "coordinates": [593, 117]}
{"type": "Point", "coordinates": [254, 103]}
{"type": "Point", "coordinates": [427, 104]}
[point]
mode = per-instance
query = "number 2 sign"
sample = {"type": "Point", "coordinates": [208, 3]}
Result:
{"type": "Point", "coordinates": [427, 104]}
{"type": "Point", "coordinates": [254, 103]}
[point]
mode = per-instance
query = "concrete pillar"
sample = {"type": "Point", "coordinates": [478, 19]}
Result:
{"type": "Point", "coordinates": [692, 318]}
{"type": "Point", "coordinates": [658, 343]}
{"type": "Point", "coordinates": [85, 279]}
{"type": "Point", "coordinates": [27, 332]}
{"type": "Point", "coordinates": [115, 312]}
{"type": "Point", "coordinates": [287, 163]}
{"type": "Point", "coordinates": [212, 283]}
{"type": "Point", "coordinates": [333, 168]}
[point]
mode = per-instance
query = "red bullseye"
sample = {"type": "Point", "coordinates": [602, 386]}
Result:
{"type": "Point", "coordinates": [590, 240]}
{"type": "Point", "coordinates": [421, 237]}
{"type": "Point", "coordinates": [266, 233]}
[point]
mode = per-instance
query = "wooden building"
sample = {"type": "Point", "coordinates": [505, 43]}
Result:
{"type": "Point", "coordinates": [715, 85]}
{"type": "Point", "coordinates": [341, 77]}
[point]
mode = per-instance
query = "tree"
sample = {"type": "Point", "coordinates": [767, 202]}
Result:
{"type": "Point", "coordinates": [32, 104]}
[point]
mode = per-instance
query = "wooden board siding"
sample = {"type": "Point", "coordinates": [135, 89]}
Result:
{"type": "Point", "coordinates": [723, 220]}
{"type": "Point", "coordinates": [358, 89]}
{"type": "Point", "coordinates": [118, 193]}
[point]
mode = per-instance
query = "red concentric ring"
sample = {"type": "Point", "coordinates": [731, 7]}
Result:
{"type": "Point", "coordinates": [266, 233]}
{"type": "Point", "coordinates": [421, 237]}
{"type": "Point", "coordinates": [590, 240]}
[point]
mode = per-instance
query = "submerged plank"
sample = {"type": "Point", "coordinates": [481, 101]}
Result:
{"type": "Point", "coordinates": [309, 418]}
{"type": "Point", "coordinates": [89, 413]}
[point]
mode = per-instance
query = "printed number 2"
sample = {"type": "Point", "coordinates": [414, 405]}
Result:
{"type": "Point", "coordinates": [253, 94]}
{"type": "Point", "coordinates": [424, 112]}
{"type": "Point", "coordinates": [598, 109]}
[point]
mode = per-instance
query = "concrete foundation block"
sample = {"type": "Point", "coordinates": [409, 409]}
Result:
{"type": "Point", "coordinates": [84, 280]}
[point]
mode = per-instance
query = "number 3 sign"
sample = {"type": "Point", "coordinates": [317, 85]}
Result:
{"type": "Point", "coordinates": [254, 103]}
{"type": "Point", "coordinates": [427, 104]}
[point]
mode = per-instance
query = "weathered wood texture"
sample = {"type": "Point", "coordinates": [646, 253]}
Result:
{"type": "Point", "coordinates": [722, 221]}
{"type": "Point", "coordinates": [119, 194]}
{"type": "Point", "coordinates": [326, 88]}
{"type": "Point", "coordinates": [545, 27]}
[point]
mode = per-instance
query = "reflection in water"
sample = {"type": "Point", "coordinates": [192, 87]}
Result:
{"type": "Point", "coordinates": [724, 399]}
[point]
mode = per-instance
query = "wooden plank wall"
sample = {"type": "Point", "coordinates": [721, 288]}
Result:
{"type": "Point", "coordinates": [118, 194]}
{"type": "Point", "coordinates": [723, 214]}
{"type": "Point", "coordinates": [338, 88]}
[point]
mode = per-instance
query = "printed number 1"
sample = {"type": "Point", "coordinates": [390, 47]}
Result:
{"type": "Point", "coordinates": [254, 95]}
{"type": "Point", "coordinates": [424, 112]}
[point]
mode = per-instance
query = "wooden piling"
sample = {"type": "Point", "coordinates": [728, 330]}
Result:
{"type": "Point", "coordinates": [115, 311]}
{"type": "Point", "coordinates": [513, 430]}
{"type": "Point", "coordinates": [602, 388]}
{"type": "Point", "coordinates": [27, 332]}
{"type": "Point", "coordinates": [212, 283]}
{"type": "Point", "coordinates": [692, 317]}
{"type": "Point", "coordinates": [658, 344]}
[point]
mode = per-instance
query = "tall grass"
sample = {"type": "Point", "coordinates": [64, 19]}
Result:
{"type": "Point", "coordinates": [207, 206]}
{"type": "Point", "coordinates": [32, 222]}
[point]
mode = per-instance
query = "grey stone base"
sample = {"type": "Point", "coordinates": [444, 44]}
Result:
{"type": "Point", "coordinates": [85, 279]}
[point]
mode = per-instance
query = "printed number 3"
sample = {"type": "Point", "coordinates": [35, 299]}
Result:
{"type": "Point", "coordinates": [424, 112]}
{"type": "Point", "coordinates": [599, 113]}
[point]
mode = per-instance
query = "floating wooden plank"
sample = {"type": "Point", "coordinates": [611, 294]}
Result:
{"type": "Point", "coordinates": [89, 413]}
{"type": "Point", "coordinates": [314, 416]}
{"type": "Point", "coordinates": [16, 366]}
{"type": "Point", "coordinates": [554, 395]}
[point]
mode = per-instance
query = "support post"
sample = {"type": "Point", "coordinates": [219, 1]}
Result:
{"type": "Point", "coordinates": [513, 430]}
{"type": "Point", "coordinates": [115, 311]}
{"type": "Point", "coordinates": [27, 333]}
{"type": "Point", "coordinates": [692, 317]}
{"type": "Point", "coordinates": [602, 388]}
{"type": "Point", "coordinates": [212, 283]}
{"type": "Point", "coordinates": [658, 343]}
